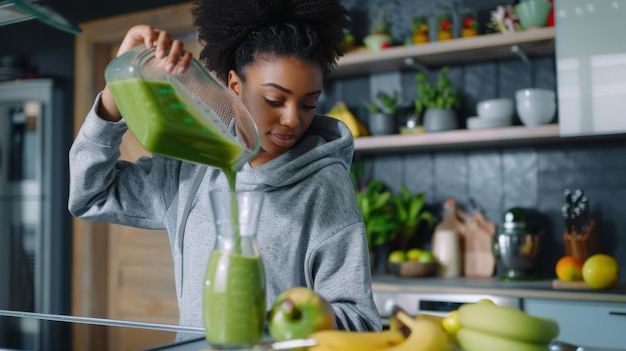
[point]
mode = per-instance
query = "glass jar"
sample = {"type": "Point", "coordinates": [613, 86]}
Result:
{"type": "Point", "coordinates": [234, 305]}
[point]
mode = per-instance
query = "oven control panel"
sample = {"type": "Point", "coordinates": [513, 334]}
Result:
{"type": "Point", "coordinates": [433, 303]}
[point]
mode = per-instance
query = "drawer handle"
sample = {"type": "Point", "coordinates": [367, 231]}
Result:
{"type": "Point", "coordinates": [612, 313]}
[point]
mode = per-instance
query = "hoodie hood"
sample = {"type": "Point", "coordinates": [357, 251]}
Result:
{"type": "Point", "coordinates": [327, 142]}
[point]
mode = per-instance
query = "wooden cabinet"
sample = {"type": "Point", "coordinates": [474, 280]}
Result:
{"type": "Point", "coordinates": [586, 323]}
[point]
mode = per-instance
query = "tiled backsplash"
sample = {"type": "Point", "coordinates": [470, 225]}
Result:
{"type": "Point", "coordinates": [529, 177]}
{"type": "Point", "coordinates": [500, 178]}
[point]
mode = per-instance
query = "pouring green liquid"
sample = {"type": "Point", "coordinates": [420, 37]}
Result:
{"type": "Point", "coordinates": [171, 124]}
{"type": "Point", "coordinates": [167, 123]}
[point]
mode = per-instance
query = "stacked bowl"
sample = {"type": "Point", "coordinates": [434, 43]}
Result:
{"type": "Point", "coordinates": [492, 113]}
{"type": "Point", "coordinates": [535, 106]}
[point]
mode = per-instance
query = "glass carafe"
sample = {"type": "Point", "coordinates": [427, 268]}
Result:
{"type": "Point", "coordinates": [234, 288]}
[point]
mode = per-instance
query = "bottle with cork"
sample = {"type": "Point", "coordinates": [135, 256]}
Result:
{"type": "Point", "coordinates": [446, 245]}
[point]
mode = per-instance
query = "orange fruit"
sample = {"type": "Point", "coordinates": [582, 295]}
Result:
{"type": "Point", "coordinates": [569, 269]}
{"type": "Point", "coordinates": [600, 271]}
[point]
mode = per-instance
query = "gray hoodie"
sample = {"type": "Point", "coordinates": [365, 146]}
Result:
{"type": "Point", "coordinates": [311, 231]}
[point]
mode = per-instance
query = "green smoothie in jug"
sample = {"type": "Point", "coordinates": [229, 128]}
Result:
{"type": "Point", "coordinates": [164, 123]}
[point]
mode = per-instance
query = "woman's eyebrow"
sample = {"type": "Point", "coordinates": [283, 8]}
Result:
{"type": "Point", "coordinates": [287, 91]}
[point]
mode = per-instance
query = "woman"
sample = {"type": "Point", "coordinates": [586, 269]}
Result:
{"type": "Point", "coordinates": [274, 55]}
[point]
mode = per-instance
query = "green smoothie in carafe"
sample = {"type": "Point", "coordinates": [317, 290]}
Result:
{"type": "Point", "coordinates": [165, 123]}
{"type": "Point", "coordinates": [234, 300]}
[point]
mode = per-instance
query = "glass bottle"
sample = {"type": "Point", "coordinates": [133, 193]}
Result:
{"type": "Point", "coordinates": [446, 246]}
{"type": "Point", "coordinates": [235, 287]}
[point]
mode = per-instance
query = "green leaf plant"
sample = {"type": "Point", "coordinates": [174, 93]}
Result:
{"type": "Point", "coordinates": [410, 213]}
{"type": "Point", "coordinates": [385, 103]}
{"type": "Point", "coordinates": [440, 95]}
{"type": "Point", "coordinates": [388, 218]}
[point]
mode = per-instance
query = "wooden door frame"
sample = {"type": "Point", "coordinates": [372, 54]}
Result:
{"type": "Point", "coordinates": [93, 49]}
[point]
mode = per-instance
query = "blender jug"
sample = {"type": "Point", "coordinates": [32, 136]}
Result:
{"type": "Point", "coordinates": [189, 116]}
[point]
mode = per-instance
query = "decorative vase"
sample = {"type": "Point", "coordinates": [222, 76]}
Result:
{"type": "Point", "coordinates": [235, 287]}
{"type": "Point", "coordinates": [439, 120]}
{"type": "Point", "coordinates": [382, 124]}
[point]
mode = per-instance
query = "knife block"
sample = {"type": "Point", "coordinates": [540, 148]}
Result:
{"type": "Point", "coordinates": [582, 245]}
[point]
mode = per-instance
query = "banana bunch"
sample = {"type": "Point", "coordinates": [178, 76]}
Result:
{"type": "Point", "coordinates": [341, 112]}
{"type": "Point", "coordinates": [425, 335]}
{"type": "Point", "coordinates": [489, 327]}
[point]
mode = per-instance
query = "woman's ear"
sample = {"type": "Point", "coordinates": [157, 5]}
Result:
{"type": "Point", "coordinates": [234, 82]}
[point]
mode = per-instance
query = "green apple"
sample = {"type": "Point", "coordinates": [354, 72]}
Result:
{"type": "Point", "coordinates": [413, 254]}
{"type": "Point", "coordinates": [426, 257]}
{"type": "Point", "coordinates": [297, 313]}
{"type": "Point", "coordinates": [397, 256]}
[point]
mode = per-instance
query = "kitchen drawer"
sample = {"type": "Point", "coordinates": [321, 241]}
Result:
{"type": "Point", "coordinates": [599, 324]}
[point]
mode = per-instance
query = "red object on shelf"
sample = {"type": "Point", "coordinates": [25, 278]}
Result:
{"type": "Point", "coordinates": [551, 15]}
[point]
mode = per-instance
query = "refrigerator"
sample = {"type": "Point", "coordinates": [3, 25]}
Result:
{"type": "Point", "coordinates": [35, 225]}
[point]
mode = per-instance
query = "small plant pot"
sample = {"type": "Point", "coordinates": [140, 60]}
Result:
{"type": "Point", "coordinates": [439, 120]}
{"type": "Point", "coordinates": [375, 42]}
{"type": "Point", "coordinates": [382, 124]}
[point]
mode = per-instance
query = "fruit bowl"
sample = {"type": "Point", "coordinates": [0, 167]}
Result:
{"type": "Point", "coordinates": [412, 269]}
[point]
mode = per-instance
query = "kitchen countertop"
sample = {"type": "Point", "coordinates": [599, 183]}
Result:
{"type": "Point", "coordinates": [539, 289]}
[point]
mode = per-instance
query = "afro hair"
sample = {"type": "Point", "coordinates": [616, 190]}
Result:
{"type": "Point", "coordinates": [234, 32]}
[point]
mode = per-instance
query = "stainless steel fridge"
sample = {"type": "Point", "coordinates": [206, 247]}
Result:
{"type": "Point", "coordinates": [35, 226]}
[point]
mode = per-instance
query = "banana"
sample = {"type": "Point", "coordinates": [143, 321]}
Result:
{"type": "Point", "coordinates": [340, 340]}
{"type": "Point", "coordinates": [432, 317]}
{"type": "Point", "coordinates": [341, 112]}
{"type": "Point", "coordinates": [472, 340]}
{"type": "Point", "coordinates": [507, 322]}
{"type": "Point", "coordinates": [426, 335]}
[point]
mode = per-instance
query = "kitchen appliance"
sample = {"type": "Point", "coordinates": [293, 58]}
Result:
{"type": "Point", "coordinates": [188, 115]}
{"type": "Point", "coordinates": [35, 233]}
{"type": "Point", "coordinates": [439, 304]}
{"type": "Point", "coordinates": [516, 245]}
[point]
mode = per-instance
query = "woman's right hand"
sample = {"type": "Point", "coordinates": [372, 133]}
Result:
{"type": "Point", "coordinates": [166, 48]}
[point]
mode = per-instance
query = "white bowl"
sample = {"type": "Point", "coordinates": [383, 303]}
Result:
{"type": "Point", "coordinates": [495, 108]}
{"type": "Point", "coordinates": [535, 112]}
{"type": "Point", "coordinates": [535, 93]}
{"type": "Point", "coordinates": [476, 122]}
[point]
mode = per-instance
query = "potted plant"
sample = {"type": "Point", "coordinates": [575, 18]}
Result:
{"type": "Point", "coordinates": [420, 30]}
{"type": "Point", "coordinates": [383, 111]}
{"type": "Point", "coordinates": [410, 212]}
{"type": "Point", "coordinates": [379, 37]}
{"type": "Point", "coordinates": [438, 102]}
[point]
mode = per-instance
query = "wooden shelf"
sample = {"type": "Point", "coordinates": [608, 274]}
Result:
{"type": "Point", "coordinates": [461, 50]}
{"type": "Point", "coordinates": [514, 135]}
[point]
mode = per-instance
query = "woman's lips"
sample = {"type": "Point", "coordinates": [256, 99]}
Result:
{"type": "Point", "coordinates": [284, 140]}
